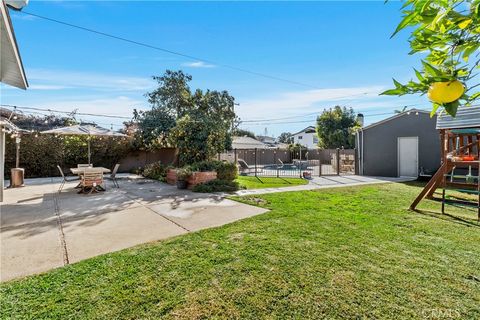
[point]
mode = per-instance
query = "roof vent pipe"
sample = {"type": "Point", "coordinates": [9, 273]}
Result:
{"type": "Point", "coordinates": [360, 119]}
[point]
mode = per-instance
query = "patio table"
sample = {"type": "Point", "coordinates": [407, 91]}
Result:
{"type": "Point", "coordinates": [79, 171]}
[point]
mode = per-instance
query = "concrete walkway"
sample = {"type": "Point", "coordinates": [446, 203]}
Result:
{"type": "Point", "coordinates": [42, 229]}
{"type": "Point", "coordinates": [326, 182]}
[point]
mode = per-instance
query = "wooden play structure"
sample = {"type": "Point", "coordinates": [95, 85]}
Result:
{"type": "Point", "coordinates": [460, 163]}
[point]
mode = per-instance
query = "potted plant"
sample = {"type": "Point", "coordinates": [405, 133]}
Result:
{"type": "Point", "coordinates": [182, 177]}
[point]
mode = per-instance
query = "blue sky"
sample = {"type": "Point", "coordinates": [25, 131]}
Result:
{"type": "Point", "coordinates": [343, 49]}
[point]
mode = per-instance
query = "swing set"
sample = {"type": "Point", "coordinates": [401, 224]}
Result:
{"type": "Point", "coordinates": [460, 162]}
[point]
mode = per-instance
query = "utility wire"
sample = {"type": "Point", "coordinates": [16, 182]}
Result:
{"type": "Point", "coordinates": [68, 112]}
{"type": "Point", "coordinates": [180, 54]}
{"type": "Point", "coordinates": [309, 114]}
{"type": "Point", "coordinates": [313, 120]}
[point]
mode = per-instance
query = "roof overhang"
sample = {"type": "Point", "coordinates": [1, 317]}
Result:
{"type": "Point", "coordinates": [11, 67]}
{"type": "Point", "coordinates": [309, 129]}
{"type": "Point", "coordinates": [402, 114]}
{"type": "Point", "coordinates": [467, 117]}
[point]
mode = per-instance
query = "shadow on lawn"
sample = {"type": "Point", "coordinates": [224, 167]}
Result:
{"type": "Point", "coordinates": [279, 178]}
{"type": "Point", "coordinates": [470, 222]}
{"type": "Point", "coordinates": [449, 217]}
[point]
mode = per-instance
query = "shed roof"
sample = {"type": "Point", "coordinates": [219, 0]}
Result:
{"type": "Point", "coordinates": [466, 117]}
{"type": "Point", "coordinates": [402, 114]}
{"type": "Point", "coordinates": [247, 143]}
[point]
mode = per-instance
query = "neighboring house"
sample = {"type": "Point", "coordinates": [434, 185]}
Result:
{"type": "Point", "coordinates": [270, 141]}
{"type": "Point", "coordinates": [247, 143]}
{"type": "Point", "coordinates": [11, 72]}
{"type": "Point", "coordinates": [406, 144]}
{"type": "Point", "coordinates": [307, 138]}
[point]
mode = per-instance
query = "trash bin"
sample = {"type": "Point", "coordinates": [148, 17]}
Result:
{"type": "Point", "coordinates": [16, 179]}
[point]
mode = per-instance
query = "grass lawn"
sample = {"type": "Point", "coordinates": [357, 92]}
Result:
{"type": "Point", "coordinates": [350, 253]}
{"type": "Point", "coordinates": [250, 182]}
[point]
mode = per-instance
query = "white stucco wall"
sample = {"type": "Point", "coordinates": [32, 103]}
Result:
{"type": "Point", "coordinates": [309, 140]}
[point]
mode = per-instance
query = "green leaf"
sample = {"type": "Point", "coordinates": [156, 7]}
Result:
{"type": "Point", "coordinates": [451, 108]}
{"type": "Point", "coordinates": [393, 92]}
{"type": "Point", "coordinates": [474, 96]}
{"type": "Point", "coordinates": [419, 75]}
{"type": "Point", "coordinates": [465, 23]}
{"type": "Point", "coordinates": [434, 110]}
{"type": "Point", "coordinates": [469, 50]}
{"type": "Point", "coordinates": [431, 69]}
{"type": "Point", "coordinates": [405, 22]}
{"type": "Point", "coordinates": [397, 84]}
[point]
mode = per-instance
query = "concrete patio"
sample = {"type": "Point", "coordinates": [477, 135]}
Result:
{"type": "Point", "coordinates": [42, 229]}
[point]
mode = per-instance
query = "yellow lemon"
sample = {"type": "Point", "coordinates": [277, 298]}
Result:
{"type": "Point", "coordinates": [445, 92]}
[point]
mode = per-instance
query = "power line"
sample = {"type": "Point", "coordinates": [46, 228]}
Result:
{"type": "Point", "coordinates": [254, 122]}
{"type": "Point", "coordinates": [67, 112]}
{"type": "Point", "coordinates": [180, 54]}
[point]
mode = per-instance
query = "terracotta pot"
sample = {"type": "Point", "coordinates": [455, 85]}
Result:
{"type": "Point", "coordinates": [172, 176]}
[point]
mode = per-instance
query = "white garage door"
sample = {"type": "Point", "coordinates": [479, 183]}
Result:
{"type": "Point", "coordinates": [408, 156]}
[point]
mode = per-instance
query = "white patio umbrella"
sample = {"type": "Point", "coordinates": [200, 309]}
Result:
{"type": "Point", "coordinates": [85, 130]}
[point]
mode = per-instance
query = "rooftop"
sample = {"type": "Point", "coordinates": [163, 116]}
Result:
{"type": "Point", "coordinates": [467, 117]}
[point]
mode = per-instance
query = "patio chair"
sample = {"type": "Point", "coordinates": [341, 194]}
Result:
{"type": "Point", "coordinates": [245, 168]}
{"type": "Point", "coordinates": [64, 179]}
{"type": "Point", "coordinates": [84, 165]}
{"type": "Point", "coordinates": [113, 175]}
{"type": "Point", "coordinates": [92, 181]}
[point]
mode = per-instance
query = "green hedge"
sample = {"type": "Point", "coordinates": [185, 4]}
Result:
{"type": "Point", "coordinates": [217, 185]}
{"type": "Point", "coordinates": [225, 170]}
{"type": "Point", "coordinates": [41, 153]}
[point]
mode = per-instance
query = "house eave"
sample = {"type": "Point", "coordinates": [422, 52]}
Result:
{"type": "Point", "coordinates": [12, 71]}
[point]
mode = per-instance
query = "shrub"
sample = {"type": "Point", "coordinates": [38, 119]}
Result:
{"type": "Point", "coordinates": [207, 165]}
{"type": "Point", "coordinates": [156, 171]}
{"type": "Point", "coordinates": [41, 153]}
{"type": "Point", "coordinates": [217, 185]}
{"type": "Point", "coordinates": [225, 170]}
{"type": "Point", "coordinates": [184, 173]}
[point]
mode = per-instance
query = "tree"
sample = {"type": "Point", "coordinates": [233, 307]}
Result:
{"type": "Point", "coordinates": [199, 124]}
{"type": "Point", "coordinates": [242, 133]}
{"type": "Point", "coordinates": [153, 127]}
{"type": "Point", "coordinates": [447, 33]}
{"type": "Point", "coordinates": [336, 128]}
{"type": "Point", "coordinates": [173, 95]}
{"type": "Point", "coordinates": [285, 137]}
